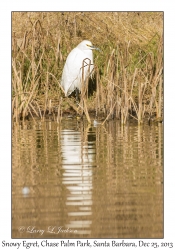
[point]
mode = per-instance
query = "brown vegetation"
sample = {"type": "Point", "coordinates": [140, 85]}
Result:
{"type": "Point", "coordinates": [128, 76]}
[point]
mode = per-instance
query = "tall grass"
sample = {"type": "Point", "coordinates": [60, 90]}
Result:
{"type": "Point", "coordinates": [128, 75]}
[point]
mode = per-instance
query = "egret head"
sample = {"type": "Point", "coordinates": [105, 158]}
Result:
{"type": "Point", "coordinates": [86, 45]}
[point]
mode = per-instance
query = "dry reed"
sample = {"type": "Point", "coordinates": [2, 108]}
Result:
{"type": "Point", "coordinates": [128, 75]}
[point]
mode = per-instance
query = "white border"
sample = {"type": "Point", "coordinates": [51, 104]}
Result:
{"type": "Point", "coordinates": [5, 93]}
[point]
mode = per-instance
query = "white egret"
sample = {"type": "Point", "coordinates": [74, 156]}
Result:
{"type": "Point", "coordinates": [78, 63]}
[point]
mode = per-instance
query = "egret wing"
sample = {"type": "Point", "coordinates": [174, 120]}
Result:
{"type": "Point", "coordinates": [71, 77]}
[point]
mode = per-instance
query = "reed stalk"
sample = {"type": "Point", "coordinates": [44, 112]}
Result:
{"type": "Point", "coordinates": [84, 88]}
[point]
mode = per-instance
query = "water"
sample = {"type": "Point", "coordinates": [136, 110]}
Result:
{"type": "Point", "coordinates": [74, 180]}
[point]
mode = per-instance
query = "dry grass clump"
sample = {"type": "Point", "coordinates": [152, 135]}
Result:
{"type": "Point", "coordinates": [128, 77]}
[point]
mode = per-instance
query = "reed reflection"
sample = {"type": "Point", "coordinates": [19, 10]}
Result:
{"type": "Point", "coordinates": [103, 181]}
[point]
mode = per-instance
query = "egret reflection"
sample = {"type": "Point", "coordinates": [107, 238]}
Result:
{"type": "Point", "coordinates": [77, 161]}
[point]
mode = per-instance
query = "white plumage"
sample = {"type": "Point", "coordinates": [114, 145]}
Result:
{"type": "Point", "coordinates": [72, 72]}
